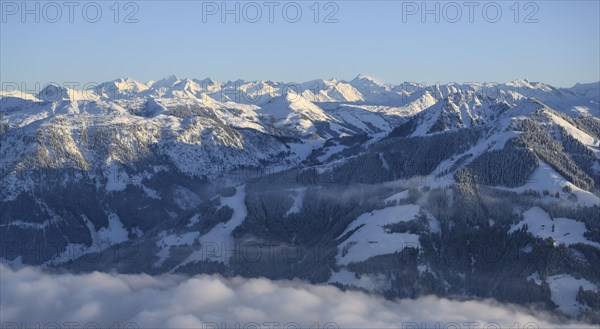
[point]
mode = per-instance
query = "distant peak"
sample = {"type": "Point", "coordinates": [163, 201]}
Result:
{"type": "Point", "coordinates": [364, 77]}
{"type": "Point", "coordinates": [166, 82]}
{"type": "Point", "coordinates": [53, 86]}
{"type": "Point", "coordinates": [52, 90]}
{"type": "Point", "coordinates": [169, 78]}
{"type": "Point", "coordinates": [125, 80]}
{"type": "Point", "coordinates": [520, 83]}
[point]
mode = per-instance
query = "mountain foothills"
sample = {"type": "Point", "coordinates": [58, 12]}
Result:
{"type": "Point", "coordinates": [476, 190]}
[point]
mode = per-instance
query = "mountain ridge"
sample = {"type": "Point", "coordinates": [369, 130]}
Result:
{"type": "Point", "coordinates": [384, 181]}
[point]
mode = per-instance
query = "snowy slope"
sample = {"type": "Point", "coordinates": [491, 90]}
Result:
{"type": "Point", "coordinates": [561, 230]}
{"type": "Point", "coordinates": [369, 238]}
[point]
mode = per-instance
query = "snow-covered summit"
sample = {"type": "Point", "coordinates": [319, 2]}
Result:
{"type": "Point", "coordinates": [54, 93]}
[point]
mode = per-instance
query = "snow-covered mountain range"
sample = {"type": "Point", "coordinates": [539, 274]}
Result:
{"type": "Point", "coordinates": [487, 190]}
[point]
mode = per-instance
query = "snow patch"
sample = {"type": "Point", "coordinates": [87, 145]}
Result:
{"type": "Point", "coordinates": [544, 178]}
{"type": "Point", "coordinates": [371, 238]}
{"type": "Point", "coordinates": [220, 235]}
{"type": "Point", "coordinates": [398, 197]}
{"type": "Point", "coordinates": [564, 289]}
{"type": "Point", "coordinates": [298, 200]}
{"type": "Point", "coordinates": [372, 283]}
{"type": "Point", "coordinates": [562, 230]}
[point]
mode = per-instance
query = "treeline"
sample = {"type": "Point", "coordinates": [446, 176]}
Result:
{"type": "Point", "coordinates": [511, 167]}
{"type": "Point", "coordinates": [538, 139]}
{"type": "Point", "coordinates": [582, 156]}
{"type": "Point", "coordinates": [398, 157]}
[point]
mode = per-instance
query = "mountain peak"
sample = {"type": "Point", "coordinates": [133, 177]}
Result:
{"type": "Point", "coordinates": [361, 76]}
{"type": "Point", "coordinates": [520, 83]}
{"type": "Point", "coordinates": [126, 79]}
{"type": "Point", "coordinates": [53, 92]}
{"type": "Point", "coordinates": [168, 81]}
{"type": "Point", "coordinates": [365, 80]}
{"type": "Point", "coordinates": [208, 80]}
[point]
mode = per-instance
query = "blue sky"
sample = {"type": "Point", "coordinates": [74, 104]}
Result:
{"type": "Point", "coordinates": [370, 37]}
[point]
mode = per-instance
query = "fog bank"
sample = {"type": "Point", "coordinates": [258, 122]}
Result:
{"type": "Point", "coordinates": [32, 297]}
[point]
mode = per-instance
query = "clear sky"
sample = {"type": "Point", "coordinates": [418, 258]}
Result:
{"type": "Point", "coordinates": [385, 39]}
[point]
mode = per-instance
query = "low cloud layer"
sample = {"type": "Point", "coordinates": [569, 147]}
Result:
{"type": "Point", "coordinates": [34, 298]}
